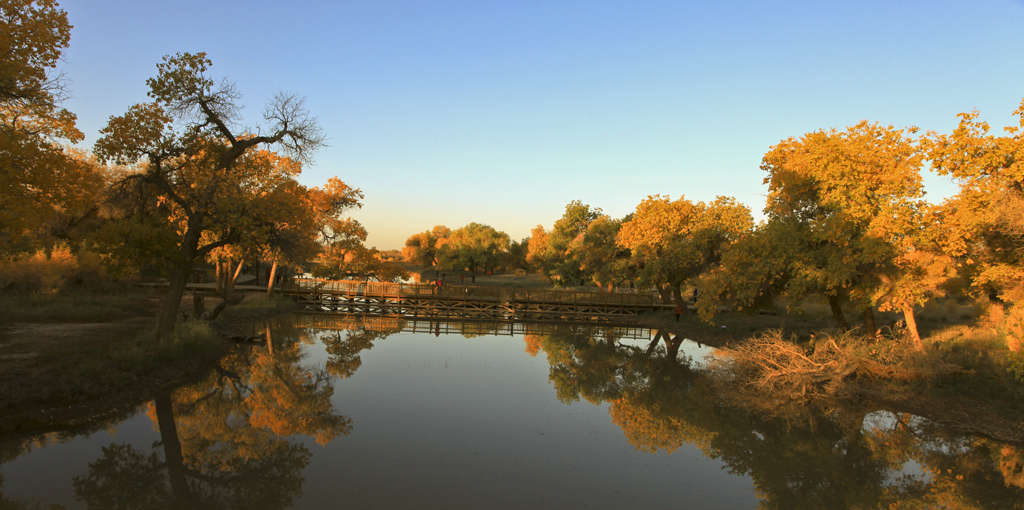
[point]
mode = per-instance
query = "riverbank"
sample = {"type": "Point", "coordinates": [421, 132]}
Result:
{"type": "Point", "coordinates": [966, 379]}
{"type": "Point", "coordinates": [80, 358]}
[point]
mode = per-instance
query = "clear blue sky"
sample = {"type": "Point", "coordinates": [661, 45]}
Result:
{"type": "Point", "coordinates": [501, 113]}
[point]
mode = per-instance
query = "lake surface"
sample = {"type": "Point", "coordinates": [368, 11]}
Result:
{"type": "Point", "coordinates": [339, 412]}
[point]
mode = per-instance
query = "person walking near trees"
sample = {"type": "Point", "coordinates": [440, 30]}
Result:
{"type": "Point", "coordinates": [679, 310]}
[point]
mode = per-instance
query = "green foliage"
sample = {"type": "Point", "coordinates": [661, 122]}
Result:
{"type": "Point", "coordinates": [1015, 365]}
{"type": "Point", "coordinates": [472, 248]}
{"type": "Point", "coordinates": [194, 343]}
{"type": "Point", "coordinates": [562, 251]}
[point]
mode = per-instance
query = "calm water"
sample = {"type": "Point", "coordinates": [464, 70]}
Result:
{"type": "Point", "coordinates": [344, 413]}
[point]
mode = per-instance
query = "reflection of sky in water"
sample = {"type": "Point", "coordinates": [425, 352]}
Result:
{"type": "Point", "coordinates": [697, 353]}
{"type": "Point", "coordinates": [474, 423]}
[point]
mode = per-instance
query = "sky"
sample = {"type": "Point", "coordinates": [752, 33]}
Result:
{"type": "Point", "coordinates": [502, 112]}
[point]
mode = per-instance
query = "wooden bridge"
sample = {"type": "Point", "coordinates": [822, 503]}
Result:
{"type": "Point", "coordinates": [423, 300]}
{"type": "Point", "coordinates": [464, 327]}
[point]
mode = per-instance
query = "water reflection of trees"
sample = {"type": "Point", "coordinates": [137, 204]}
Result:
{"type": "Point", "coordinates": [851, 457]}
{"type": "Point", "coordinates": [223, 440]}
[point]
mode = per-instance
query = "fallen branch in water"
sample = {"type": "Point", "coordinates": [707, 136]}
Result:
{"type": "Point", "coordinates": [774, 367]}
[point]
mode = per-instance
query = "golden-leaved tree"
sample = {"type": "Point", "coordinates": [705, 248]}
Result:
{"type": "Point", "coordinates": [985, 220]}
{"type": "Point", "coordinates": [676, 241]}
{"type": "Point", "coordinates": [422, 248]}
{"type": "Point", "coordinates": [39, 177]}
{"type": "Point", "coordinates": [209, 178]}
{"type": "Point", "coordinates": [847, 211]}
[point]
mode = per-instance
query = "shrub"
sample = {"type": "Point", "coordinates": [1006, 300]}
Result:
{"type": "Point", "coordinates": [50, 272]}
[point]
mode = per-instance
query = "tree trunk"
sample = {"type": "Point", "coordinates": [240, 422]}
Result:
{"type": "Point", "coordinates": [666, 296]}
{"type": "Point", "coordinates": [270, 343]}
{"type": "Point", "coordinates": [677, 295]}
{"type": "Point", "coordinates": [198, 304]}
{"type": "Point", "coordinates": [173, 458]}
{"type": "Point", "coordinates": [869, 322]}
{"type": "Point", "coordinates": [908, 315]}
{"type": "Point", "coordinates": [273, 278]}
{"type": "Point", "coordinates": [168, 314]}
{"type": "Point", "coordinates": [231, 282]}
{"type": "Point", "coordinates": [837, 312]}
{"type": "Point", "coordinates": [220, 276]}
{"type": "Point", "coordinates": [673, 343]}
{"type": "Point", "coordinates": [654, 343]}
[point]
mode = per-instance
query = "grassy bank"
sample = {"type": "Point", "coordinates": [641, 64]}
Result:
{"type": "Point", "coordinates": [119, 303]}
{"type": "Point", "coordinates": [66, 359]}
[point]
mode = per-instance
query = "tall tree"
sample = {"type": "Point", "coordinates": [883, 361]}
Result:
{"type": "Point", "coordinates": [193, 157]}
{"type": "Point", "coordinates": [840, 201]}
{"type": "Point", "coordinates": [752, 273]}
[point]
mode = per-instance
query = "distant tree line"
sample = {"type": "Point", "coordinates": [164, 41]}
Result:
{"type": "Point", "coordinates": [847, 221]}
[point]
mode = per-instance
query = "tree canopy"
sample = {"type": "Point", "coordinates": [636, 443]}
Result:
{"type": "Point", "coordinates": [215, 184]}
{"type": "Point", "coordinates": [39, 177]}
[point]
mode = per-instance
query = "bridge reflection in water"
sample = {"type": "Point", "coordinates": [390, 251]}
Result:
{"type": "Point", "coordinates": [419, 300]}
{"type": "Point", "coordinates": [466, 326]}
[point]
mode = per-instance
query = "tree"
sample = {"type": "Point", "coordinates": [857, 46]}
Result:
{"type": "Point", "coordinates": [473, 247]}
{"type": "Point", "coordinates": [600, 256]}
{"type": "Point", "coordinates": [537, 247]}
{"type": "Point", "coordinates": [192, 158]}
{"type": "Point", "coordinates": [676, 241]}
{"type": "Point", "coordinates": [841, 203]}
{"type": "Point", "coordinates": [359, 261]}
{"type": "Point", "coordinates": [561, 264]}
{"type": "Point", "coordinates": [38, 177]}
{"type": "Point", "coordinates": [984, 225]}
{"type": "Point", "coordinates": [422, 248]}
{"type": "Point", "coordinates": [751, 274]}
{"type": "Point", "coordinates": [515, 257]}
